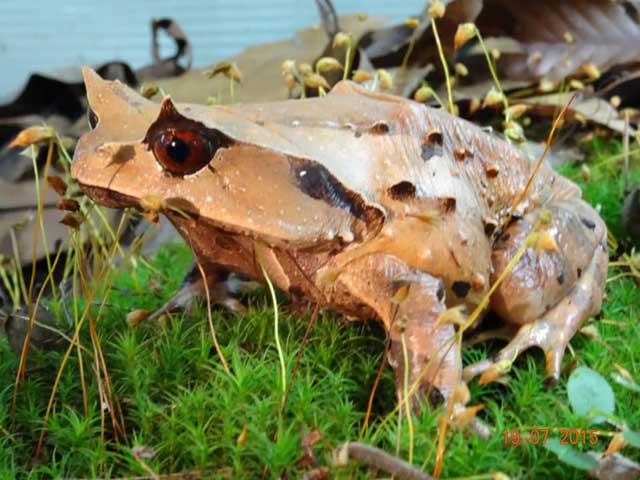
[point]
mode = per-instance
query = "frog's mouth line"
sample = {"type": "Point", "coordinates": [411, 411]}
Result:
{"type": "Point", "coordinates": [108, 198]}
{"type": "Point", "coordinates": [111, 199]}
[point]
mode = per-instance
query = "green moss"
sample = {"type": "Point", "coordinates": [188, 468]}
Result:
{"type": "Point", "coordinates": [175, 397]}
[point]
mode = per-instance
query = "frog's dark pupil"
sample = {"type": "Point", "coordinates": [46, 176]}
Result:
{"type": "Point", "coordinates": [178, 150]}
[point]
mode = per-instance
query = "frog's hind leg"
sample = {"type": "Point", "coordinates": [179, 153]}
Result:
{"type": "Point", "coordinates": [223, 288]}
{"type": "Point", "coordinates": [549, 293]}
{"type": "Point", "coordinates": [408, 302]}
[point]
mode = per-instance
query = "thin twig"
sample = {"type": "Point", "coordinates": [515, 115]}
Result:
{"type": "Point", "coordinates": [378, 458]}
{"type": "Point", "coordinates": [169, 476]}
{"type": "Point", "coordinates": [538, 164]}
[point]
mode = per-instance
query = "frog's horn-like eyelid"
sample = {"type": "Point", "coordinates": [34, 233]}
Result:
{"type": "Point", "coordinates": [170, 117]}
{"type": "Point", "coordinates": [169, 114]}
{"type": "Point", "coordinates": [168, 109]}
{"type": "Point", "coordinates": [108, 98]}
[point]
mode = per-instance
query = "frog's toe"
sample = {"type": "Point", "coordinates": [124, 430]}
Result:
{"type": "Point", "coordinates": [540, 333]}
{"type": "Point", "coordinates": [554, 329]}
{"type": "Point", "coordinates": [222, 290]}
{"type": "Point", "coordinates": [181, 301]}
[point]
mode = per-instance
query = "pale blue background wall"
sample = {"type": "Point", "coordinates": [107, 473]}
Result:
{"type": "Point", "coordinates": [48, 34]}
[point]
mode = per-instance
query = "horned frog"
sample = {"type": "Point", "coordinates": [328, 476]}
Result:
{"type": "Point", "coordinates": [369, 204]}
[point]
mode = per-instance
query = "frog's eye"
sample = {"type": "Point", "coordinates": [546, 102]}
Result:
{"type": "Point", "coordinates": [182, 152]}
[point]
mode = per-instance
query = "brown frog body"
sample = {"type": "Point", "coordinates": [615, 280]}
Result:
{"type": "Point", "coordinates": [373, 205]}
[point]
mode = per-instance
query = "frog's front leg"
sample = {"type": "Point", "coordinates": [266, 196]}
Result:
{"type": "Point", "coordinates": [409, 303]}
{"type": "Point", "coordinates": [222, 290]}
{"type": "Point", "coordinates": [550, 292]}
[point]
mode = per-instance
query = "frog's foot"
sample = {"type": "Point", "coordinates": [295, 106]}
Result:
{"type": "Point", "coordinates": [424, 354]}
{"type": "Point", "coordinates": [222, 289]}
{"type": "Point", "coordinates": [429, 351]}
{"type": "Point", "coordinates": [553, 329]}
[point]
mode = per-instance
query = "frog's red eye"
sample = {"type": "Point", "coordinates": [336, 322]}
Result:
{"type": "Point", "coordinates": [182, 152]}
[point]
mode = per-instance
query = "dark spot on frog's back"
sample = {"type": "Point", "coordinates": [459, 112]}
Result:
{"type": "Point", "coordinates": [448, 204]}
{"type": "Point", "coordinates": [590, 224]}
{"type": "Point", "coordinates": [123, 154]}
{"type": "Point", "coordinates": [317, 182]}
{"type": "Point", "coordinates": [379, 128]}
{"type": "Point", "coordinates": [432, 145]}
{"type": "Point", "coordinates": [461, 288]}
{"type": "Point", "coordinates": [490, 225]}
{"type": "Point", "coordinates": [404, 190]}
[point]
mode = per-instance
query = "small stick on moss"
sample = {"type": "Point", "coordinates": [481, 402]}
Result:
{"type": "Point", "coordinates": [378, 458]}
{"type": "Point", "coordinates": [169, 476]}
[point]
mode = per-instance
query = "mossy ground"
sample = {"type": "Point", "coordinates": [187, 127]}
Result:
{"type": "Point", "coordinates": [176, 398]}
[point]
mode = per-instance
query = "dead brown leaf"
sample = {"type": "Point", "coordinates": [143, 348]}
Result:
{"type": "Point", "coordinates": [58, 184]}
{"type": "Point", "coordinates": [592, 109]}
{"type": "Point", "coordinates": [387, 46]}
{"type": "Point", "coordinates": [68, 205]}
{"type": "Point", "coordinates": [614, 467]}
{"type": "Point", "coordinates": [261, 66]}
{"type": "Point", "coordinates": [72, 220]}
{"type": "Point", "coordinates": [562, 38]}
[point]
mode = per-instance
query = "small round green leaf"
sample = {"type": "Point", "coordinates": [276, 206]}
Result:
{"type": "Point", "coordinates": [570, 455]}
{"type": "Point", "coordinates": [588, 391]}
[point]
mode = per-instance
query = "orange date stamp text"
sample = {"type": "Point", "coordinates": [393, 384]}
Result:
{"type": "Point", "coordinates": [538, 436]}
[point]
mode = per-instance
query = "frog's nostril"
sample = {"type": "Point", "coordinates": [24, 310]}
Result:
{"type": "Point", "coordinates": [93, 118]}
